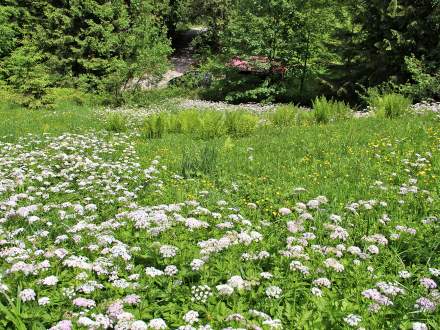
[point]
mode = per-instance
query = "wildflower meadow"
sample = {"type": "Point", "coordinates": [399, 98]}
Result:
{"type": "Point", "coordinates": [323, 226]}
{"type": "Point", "coordinates": [219, 165]}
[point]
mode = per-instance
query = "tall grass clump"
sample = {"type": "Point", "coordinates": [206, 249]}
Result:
{"type": "Point", "coordinates": [190, 164]}
{"type": "Point", "coordinates": [116, 122]}
{"type": "Point", "coordinates": [203, 125]}
{"type": "Point", "coordinates": [154, 126]}
{"type": "Point", "coordinates": [240, 123]}
{"type": "Point", "coordinates": [390, 105]}
{"type": "Point", "coordinates": [187, 122]}
{"type": "Point", "coordinates": [285, 116]}
{"type": "Point", "coordinates": [199, 163]}
{"type": "Point", "coordinates": [212, 125]}
{"type": "Point", "coordinates": [208, 159]}
{"type": "Point", "coordinates": [326, 111]}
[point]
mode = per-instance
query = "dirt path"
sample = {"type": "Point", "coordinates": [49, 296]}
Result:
{"type": "Point", "coordinates": [181, 62]}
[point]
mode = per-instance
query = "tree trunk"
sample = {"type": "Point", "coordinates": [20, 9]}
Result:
{"type": "Point", "coordinates": [304, 71]}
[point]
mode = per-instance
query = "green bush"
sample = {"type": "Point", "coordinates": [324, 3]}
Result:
{"type": "Point", "coordinates": [264, 93]}
{"type": "Point", "coordinates": [424, 84]}
{"type": "Point", "coordinates": [326, 111]}
{"type": "Point", "coordinates": [240, 124]}
{"type": "Point", "coordinates": [285, 116]}
{"type": "Point", "coordinates": [28, 75]}
{"type": "Point", "coordinates": [155, 126]}
{"type": "Point", "coordinates": [212, 125]}
{"type": "Point", "coordinates": [116, 122]}
{"type": "Point", "coordinates": [390, 105]}
{"type": "Point", "coordinates": [53, 98]}
{"type": "Point", "coordinates": [61, 96]}
{"type": "Point", "coordinates": [236, 88]}
{"type": "Point", "coordinates": [8, 98]}
{"type": "Point", "coordinates": [192, 79]}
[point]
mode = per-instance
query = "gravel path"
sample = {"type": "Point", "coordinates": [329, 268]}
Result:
{"type": "Point", "coordinates": [222, 106]}
{"type": "Point", "coordinates": [427, 106]}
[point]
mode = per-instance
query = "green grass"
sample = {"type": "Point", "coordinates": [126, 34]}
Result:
{"type": "Point", "coordinates": [332, 158]}
{"type": "Point", "coordinates": [336, 159]}
{"type": "Point", "coordinates": [17, 121]}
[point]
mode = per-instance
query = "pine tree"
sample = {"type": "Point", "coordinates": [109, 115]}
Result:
{"type": "Point", "coordinates": [97, 45]}
{"type": "Point", "coordinates": [394, 30]}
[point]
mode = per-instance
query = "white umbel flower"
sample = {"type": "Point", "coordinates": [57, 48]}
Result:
{"type": "Point", "coordinates": [274, 292]}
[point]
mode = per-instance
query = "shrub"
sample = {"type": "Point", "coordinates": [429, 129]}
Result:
{"type": "Point", "coordinates": [26, 73]}
{"type": "Point", "coordinates": [264, 93]}
{"type": "Point", "coordinates": [424, 84]}
{"type": "Point", "coordinates": [193, 79]}
{"type": "Point", "coordinates": [285, 116]}
{"type": "Point", "coordinates": [328, 110]}
{"type": "Point", "coordinates": [8, 97]}
{"type": "Point", "coordinates": [116, 122]}
{"type": "Point", "coordinates": [240, 124]}
{"type": "Point", "coordinates": [73, 96]}
{"type": "Point", "coordinates": [154, 126]}
{"type": "Point", "coordinates": [212, 125]}
{"type": "Point", "coordinates": [390, 105]}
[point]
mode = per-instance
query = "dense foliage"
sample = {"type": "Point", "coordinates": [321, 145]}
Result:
{"type": "Point", "coordinates": [338, 48]}
{"type": "Point", "coordinates": [95, 45]}
{"type": "Point", "coordinates": [392, 42]}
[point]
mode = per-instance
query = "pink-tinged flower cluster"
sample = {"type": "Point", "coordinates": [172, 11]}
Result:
{"type": "Point", "coordinates": [425, 305]}
{"type": "Point", "coordinates": [377, 297]}
{"type": "Point", "coordinates": [84, 302]}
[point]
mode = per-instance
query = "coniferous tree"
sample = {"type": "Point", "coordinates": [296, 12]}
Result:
{"type": "Point", "coordinates": [96, 45]}
{"type": "Point", "coordinates": [393, 30]}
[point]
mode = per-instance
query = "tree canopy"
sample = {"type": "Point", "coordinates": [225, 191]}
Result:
{"type": "Point", "coordinates": [336, 47]}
